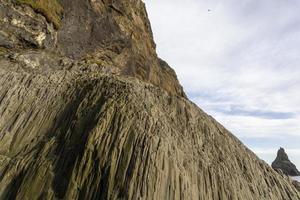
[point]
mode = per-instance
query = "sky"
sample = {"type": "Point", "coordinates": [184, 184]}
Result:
{"type": "Point", "coordinates": [239, 62]}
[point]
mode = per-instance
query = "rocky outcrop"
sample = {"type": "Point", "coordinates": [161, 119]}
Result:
{"type": "Point", "coordinates": [103, 118]}
{"type": "Point", "coordinates": [114, 34]}
{"type": "Point", "coordinates": [283, 163]}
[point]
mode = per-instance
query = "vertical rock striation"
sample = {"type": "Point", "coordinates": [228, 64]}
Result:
{"type": "Point", "coordinates": [88, 111]}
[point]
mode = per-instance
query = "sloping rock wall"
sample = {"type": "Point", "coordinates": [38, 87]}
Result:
{"type": "Point", "coordinates": [100, 116]}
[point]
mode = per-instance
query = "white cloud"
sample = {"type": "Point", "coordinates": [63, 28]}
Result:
{"type": "Point", "coordinates": [239, 61]}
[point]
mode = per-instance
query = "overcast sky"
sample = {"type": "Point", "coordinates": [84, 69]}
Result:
{"type": "Point", "coordinates": [239, 61]}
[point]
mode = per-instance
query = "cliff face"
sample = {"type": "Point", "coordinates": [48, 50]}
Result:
{"type": "Point", "coordinates": [88, 111]}
{"type": "Point", "coordinates": [111, 34]}
{"type": "Point", "coordinates": [283, 163]}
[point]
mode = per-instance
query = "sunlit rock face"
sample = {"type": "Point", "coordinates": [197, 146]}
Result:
{"type": "Point", "coordinates": [283, 163]}
{"type": "Point", "coordinates": [88, 111]}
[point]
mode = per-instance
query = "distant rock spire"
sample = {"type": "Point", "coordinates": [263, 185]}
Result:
{"type": "Point", "coordinates": [283, 163]}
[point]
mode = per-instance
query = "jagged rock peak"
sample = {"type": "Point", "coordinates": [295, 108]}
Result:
{"type": "Point", "coordinates": [283, 163]}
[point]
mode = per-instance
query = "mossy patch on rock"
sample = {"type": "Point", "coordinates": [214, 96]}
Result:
{"type": "Point", "coordinates": [51, 9]}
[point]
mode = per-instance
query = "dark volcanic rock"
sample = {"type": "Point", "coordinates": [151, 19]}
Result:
{"type": "Point", "coordinates": [88, 111]}
{"type": "Point", "coordinates": [283, 163]}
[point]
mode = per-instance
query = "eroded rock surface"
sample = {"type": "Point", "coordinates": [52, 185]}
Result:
{"type": "Point", "coordinates": [297, 185]}
{"type": "Point", "coordinates": [283, 163]}
{"type": "Point", "coordinates": [114, 34]}
{"type": "Point", "coordinates": [78, 134]}
{"type": "Point", "coordinates": [111, 121]}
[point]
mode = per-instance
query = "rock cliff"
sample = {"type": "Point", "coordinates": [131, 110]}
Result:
{"type": "Point", "coordinates": [113, 34]}
{"type": "Point", "coordinates": [283, 163]}
{"type": "Point", "coordinates": [88, 111]}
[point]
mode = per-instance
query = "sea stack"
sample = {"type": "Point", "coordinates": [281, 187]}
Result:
{"type": "Point", "coordinates": [88, 111]}
{"type": "Point", "coordinates": [283, 163]}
